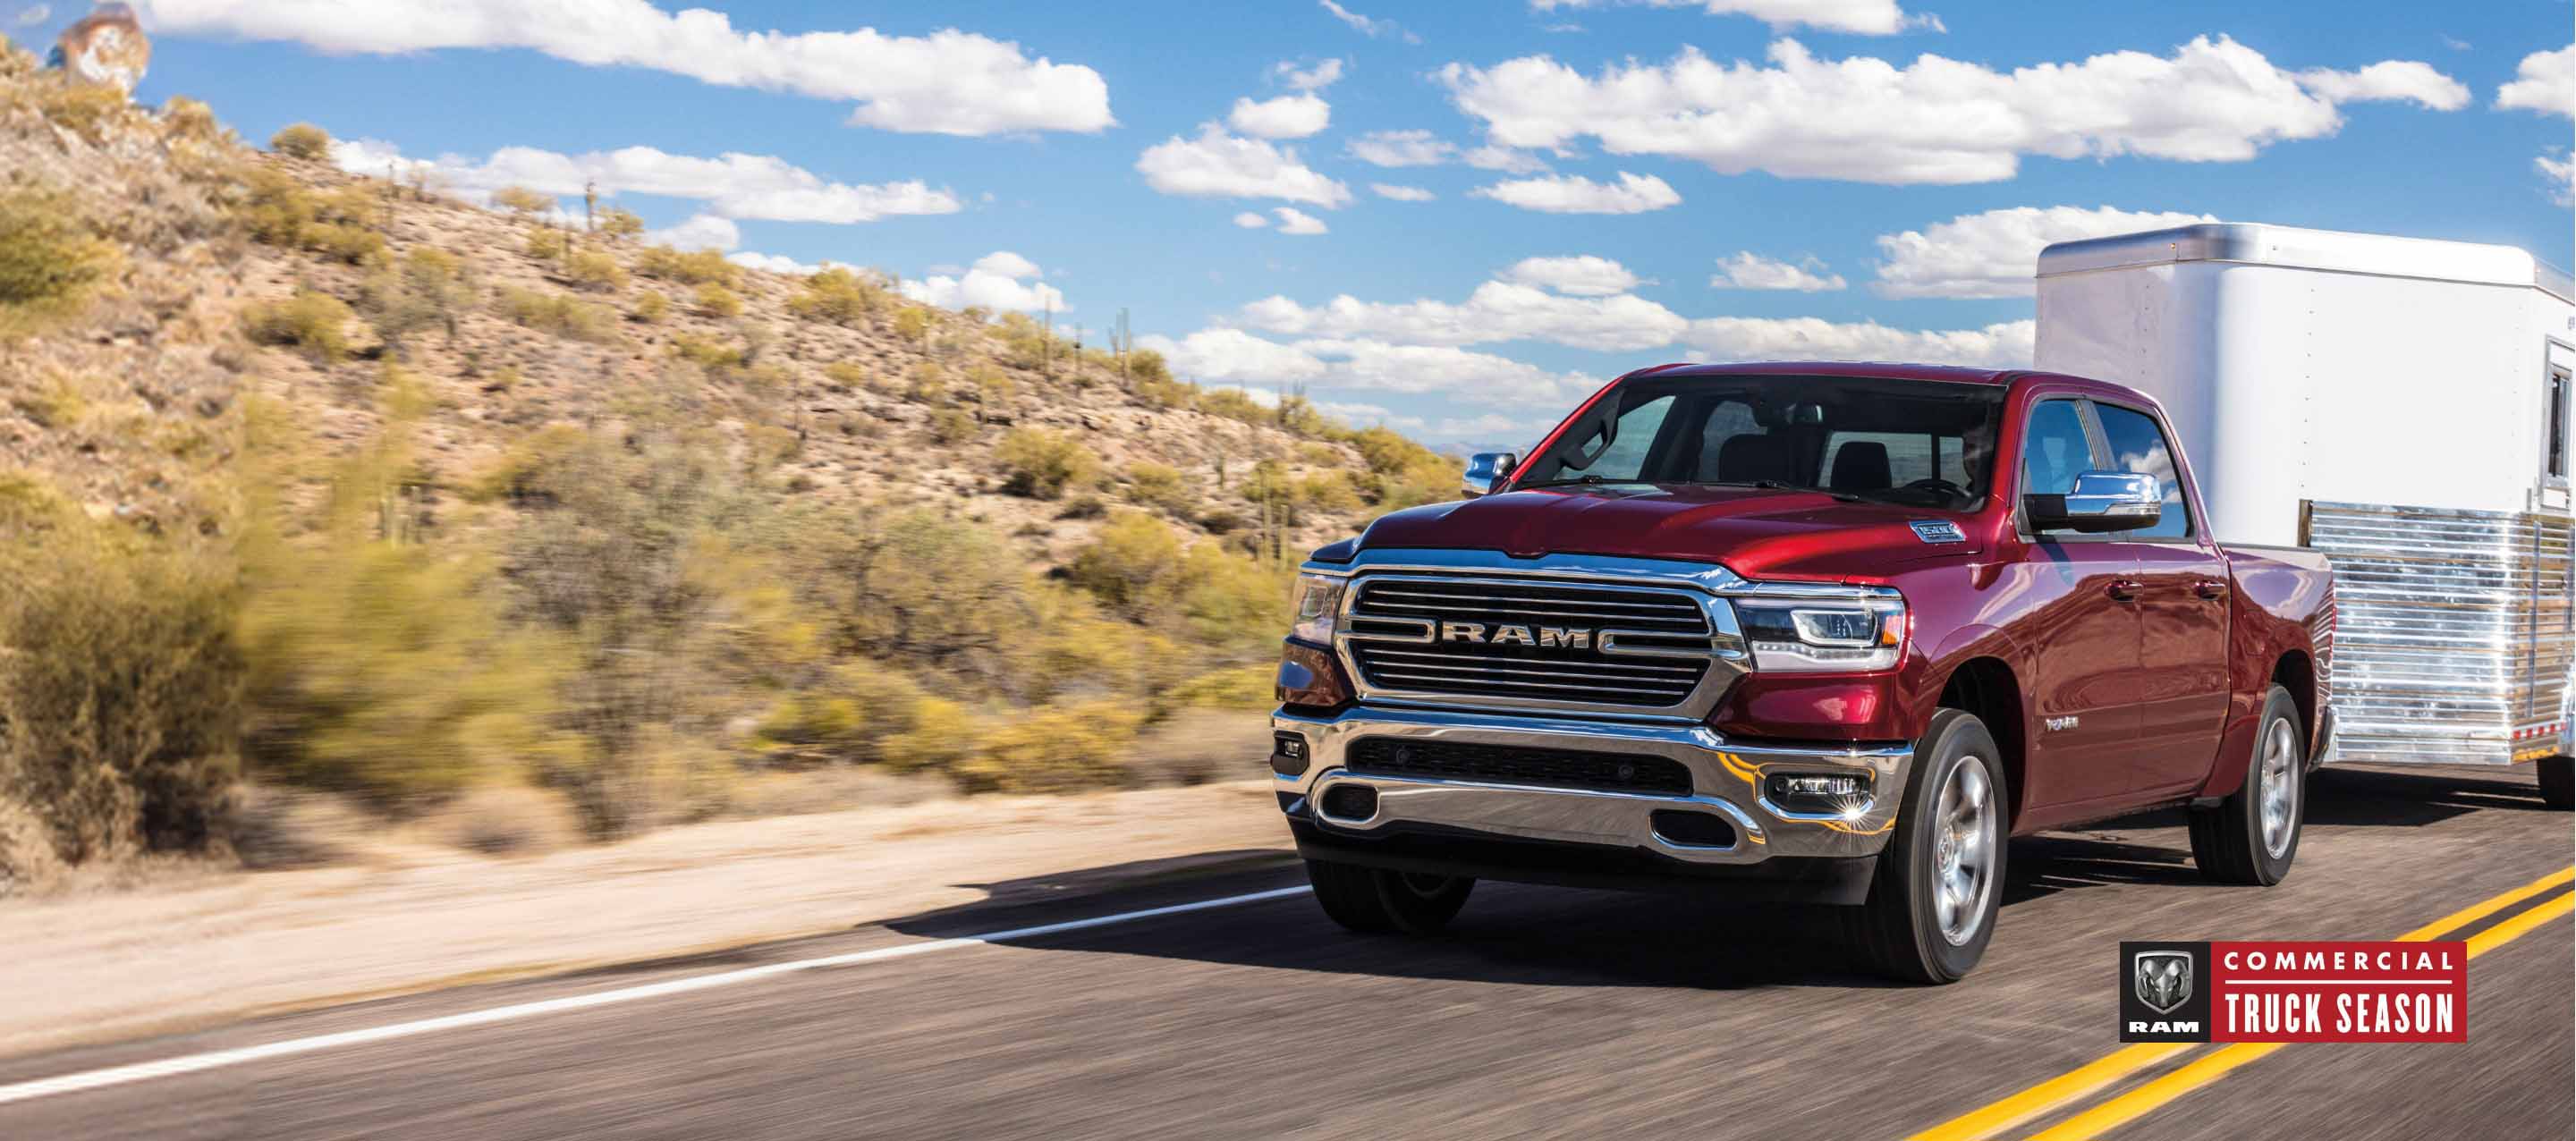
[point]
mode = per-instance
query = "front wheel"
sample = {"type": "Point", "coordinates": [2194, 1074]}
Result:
{"type": "Point", "coordinates": [1935, 896]}
{"type": "Point", "coordinates": [1377, 901]}
{"type": "Point", "coordinates": [2252, 836]}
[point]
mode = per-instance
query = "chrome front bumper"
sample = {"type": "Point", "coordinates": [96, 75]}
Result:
{"type": "Point", "coordinates": [1726, 781]}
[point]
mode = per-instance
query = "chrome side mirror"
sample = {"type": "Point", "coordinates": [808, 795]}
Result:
{"type": "Point", "coordinates": [1488, 471]}
{"type": "Point", "coordinates": [2102, 501]}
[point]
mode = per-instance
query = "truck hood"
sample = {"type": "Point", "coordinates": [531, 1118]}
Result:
{"type": "Point", "coordinates": [1754, 532]}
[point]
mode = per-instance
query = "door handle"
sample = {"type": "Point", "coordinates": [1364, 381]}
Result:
{"type": "Point", "coordinates": [2210, 589]}
{"type": "Point", "coordinates": [2125, 589]}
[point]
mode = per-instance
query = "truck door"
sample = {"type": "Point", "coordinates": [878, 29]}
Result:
{"type": "Point", "coordinates": [2182, 607]}
{"type": "Point", "coordinates": [2084, 637]}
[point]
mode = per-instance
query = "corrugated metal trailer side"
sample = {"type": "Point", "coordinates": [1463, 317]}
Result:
{"type": "Point", "coordinates": [2455, 632]}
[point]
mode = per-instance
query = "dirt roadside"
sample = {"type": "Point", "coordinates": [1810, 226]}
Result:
{"type": "Point", "coordinates": [101, 968]}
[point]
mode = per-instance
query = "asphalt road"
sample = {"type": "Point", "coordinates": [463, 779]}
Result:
{"type": "Point", "coordinates": [1544, 1013]}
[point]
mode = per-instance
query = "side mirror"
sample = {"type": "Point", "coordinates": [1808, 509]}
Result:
{"type": "Point", "coordinates": [1487, 471]}
{"type": "Point", "coordinates": [2102, 502]}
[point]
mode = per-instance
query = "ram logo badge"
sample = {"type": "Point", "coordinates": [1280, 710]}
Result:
{"type": "Point", "coordinates": [1543, 637]}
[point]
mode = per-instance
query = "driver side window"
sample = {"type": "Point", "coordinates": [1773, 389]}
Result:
{"type": "Point", "coordinates": [2055, 450]}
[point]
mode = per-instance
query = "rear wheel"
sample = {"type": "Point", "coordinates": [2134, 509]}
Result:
{"type": "Point", "coordinates": [2557, 776]}
{"type": "Point", "coordinates": [2252, 836]}
{"type": "Point", "coordinates": [1377, 901]}
{"type": "Point", "coordinates": [1935, 895]}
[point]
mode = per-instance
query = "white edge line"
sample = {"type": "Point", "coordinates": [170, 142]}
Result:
{"type": "Point", "coordinates": [217, 1059]}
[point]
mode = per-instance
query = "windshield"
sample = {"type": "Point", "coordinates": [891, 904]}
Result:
{"type": "Point", "coordinates": [1914, 442]}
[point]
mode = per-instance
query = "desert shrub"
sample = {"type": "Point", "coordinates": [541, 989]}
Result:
{"type": "Point", "coordinates": [594, 270]}
{"type": "Point", "coordinates": [994, 389]}
{"type": "Point", "coordinates": [547, 244]}
{"type": "Point", "coordinates": [837, 296]}
{"type": "Point", "coordinates": [707, 352]}
{"type": "Point", "coordinates": [940, 735]}
{"type": "Point", "coordinates": [1159, 485]}
{"type": "Point", "coordinates": [559, 314]}
{"type": "Point", "coordinates": [522, 201]}
{"type": "Point", "coordinates": [926, 383]}
{"type": "Point", "coordinates": [1233, 404]}
{"type": "Point", "coordinates": [652, 308]}
{"type": "Point", "coordinates": [917, 588]}
{"type": "Point", "coordinates": [302, 140]}
{"type": "Point", "coordinates": [912, 323]}
{"type": "Point", "coordinates": [50, 259]}
{"type": "Point", "coordinates": [1227, 598]}
{"type": "Point", "coordinates": [700, 268]}
{"type": "Point", "coordinates": [316, 323]}
{"type": "Point", "coordinates": [1041, 464]}
{"type": "Point", "coordinates": [846, 375]}
{"type": "Point", "coordinates": [84, 109]}
{"type": "Point", "coordinates": [188, 119]}
{"type": "Point", "coordinates": [717, 301]}
{"type": "Point", "coordinates": [618, 222]}
{"type": "Point", "coordinates": [1164, 392]}
{"type": "Point", "coordinates": [1234, 687]}
{"type": "Point", "coordinates": [951, 426]}
{"type": "Point", "coordinates": [1328, 491]}
{"type": "Point", "coordinates": [343, 242]}
{"type": "Point", "coordinates": [56, 403]}
{"type": "Point", "coordinates": [1133, 563]}
{"type": "Point", "coordinates": [120, 712]}
{"type": "Point", "coordinates": [1055, 749]}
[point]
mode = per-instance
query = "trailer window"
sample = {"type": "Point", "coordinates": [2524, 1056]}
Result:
{"type": "Point", "coordinates": [2555, 413]}
{"type": "Point", "coordinates": [2138, 445]}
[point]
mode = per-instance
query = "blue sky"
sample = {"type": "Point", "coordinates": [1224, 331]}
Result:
{"type": "Point", "coordinates": [1696, 179]}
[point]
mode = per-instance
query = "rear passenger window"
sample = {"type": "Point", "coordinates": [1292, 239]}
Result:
{"type": "Point", "coordinates": [2138, 445]}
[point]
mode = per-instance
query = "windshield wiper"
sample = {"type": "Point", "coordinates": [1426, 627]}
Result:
{"type": "Point", "coordinates": [1776, 485]}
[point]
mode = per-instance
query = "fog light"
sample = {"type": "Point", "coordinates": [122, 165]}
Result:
{"type": "Point", "coordinates": [1843, 793]}
{"type": "Point", "coordinates": [1350, 802]}
{"type": "Point", "coordinates": [1288, 754]}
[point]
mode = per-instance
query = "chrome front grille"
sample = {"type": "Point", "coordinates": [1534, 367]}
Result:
{"type": "Point", "coordinates": [1537, 643]}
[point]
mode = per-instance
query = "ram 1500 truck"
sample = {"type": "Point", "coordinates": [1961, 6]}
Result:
{"type": "Point", "coordinates": [1820, 632]}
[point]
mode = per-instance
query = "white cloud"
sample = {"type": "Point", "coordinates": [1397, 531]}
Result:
{"type": "Point", "coordinates": [948, 82]}
{"type": "Point", "coordinates": [733, 186]}
{"type": "Point", "coordinates": [1995, 254]}
{"type": "Point", "coordinates": [1496, 311]}
{"type": "Point", "coordinates": [34, 16]}
{"type": "Point", "coordinates": [2560, 170]}
{"type": "Point", "coordinates": [1749, 270]}
{"type": "Point", "coordinates": [1504, 159]}
{"type": "Point", "coordinates": [1219, 165]}
{"type": "Point", "coordinates": [1402, 193]}
{"type": "Point", "coordinates": [702, 232]}
{"type": "Point", "coordinates": [1368, 27]}
{"type": "Point", "coordinates": [1229, 356]}
{"type": "Point", "coordinates": [1934, 120]}
{"type": "Point", "coordinates": [999, 281]}
{"type": "Point", "coordinates": [1286, 117]}
{"type": "Point", "coordinates": [1583, 275]}
{"type": "Point", "coordinates": [1863, 17]}
{"type": "Point", "coordinates": [1315, 78]}
{"type": "Point", "coordinates": [2005, 345]}
{"type": "Point", "coordinates": [1364, 415]}
{"type": "Point", "coordinates": [2546, 82]}
{"type": "Point", "coordinates": [1298, 222]}
{"type": "Point", "coordinates": [2389, 80]}
{"type": "Point", "coordinates": [1250, 221]}
{"type": "Point", "coordinates": [778, 263]}
{"type": "Point", "coordinates": [1575, 194]}
{"type": "Point", "coordinates": [1400, 148]}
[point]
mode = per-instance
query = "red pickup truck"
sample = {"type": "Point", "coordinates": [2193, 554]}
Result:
{"type": "Point", "coordinates": [1821, 632]}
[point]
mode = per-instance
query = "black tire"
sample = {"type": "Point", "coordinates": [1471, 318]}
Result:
{"type": "Point", "coordinates": [1898, 932]}
{"type": "Point", "coordinates": [2227, 841]}
{"type": "Point", "coordinates": [1375, 901]}
{"type": "Point", "coordinates": [2557, 778]}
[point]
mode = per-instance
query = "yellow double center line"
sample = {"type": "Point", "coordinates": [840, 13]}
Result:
{"type": "Point", "coordinates": [2099, 1074]}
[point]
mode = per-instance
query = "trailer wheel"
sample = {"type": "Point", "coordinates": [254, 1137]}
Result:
{"type": "Point", "coordinates": [2557, 777]}
{"type": "Point", "coordinates": [1376, 901]}
{"type": "Point", "coordinates": [2251, 837]}
{"type": "Point", "coordinates": [1938, 887]}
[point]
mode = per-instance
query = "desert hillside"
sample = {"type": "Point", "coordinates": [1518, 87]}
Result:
{"type": "Point", "coordinates": [322, 482]}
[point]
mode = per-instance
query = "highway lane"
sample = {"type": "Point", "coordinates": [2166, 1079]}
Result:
{"type": "Point", "coordinates": [1546, 1013]}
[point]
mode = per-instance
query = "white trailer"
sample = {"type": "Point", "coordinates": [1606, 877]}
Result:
{"type": "Point", "coordinates": [2403, 406]}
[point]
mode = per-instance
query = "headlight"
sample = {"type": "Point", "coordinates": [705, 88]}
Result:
{"type": "Point", "coordinates": [1319, 604]}
{"type": "Point", "coordinates": [1812, 636]}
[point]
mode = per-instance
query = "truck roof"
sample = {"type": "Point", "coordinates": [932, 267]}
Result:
{"type": "Point", "coordinates": [1884, 370]}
